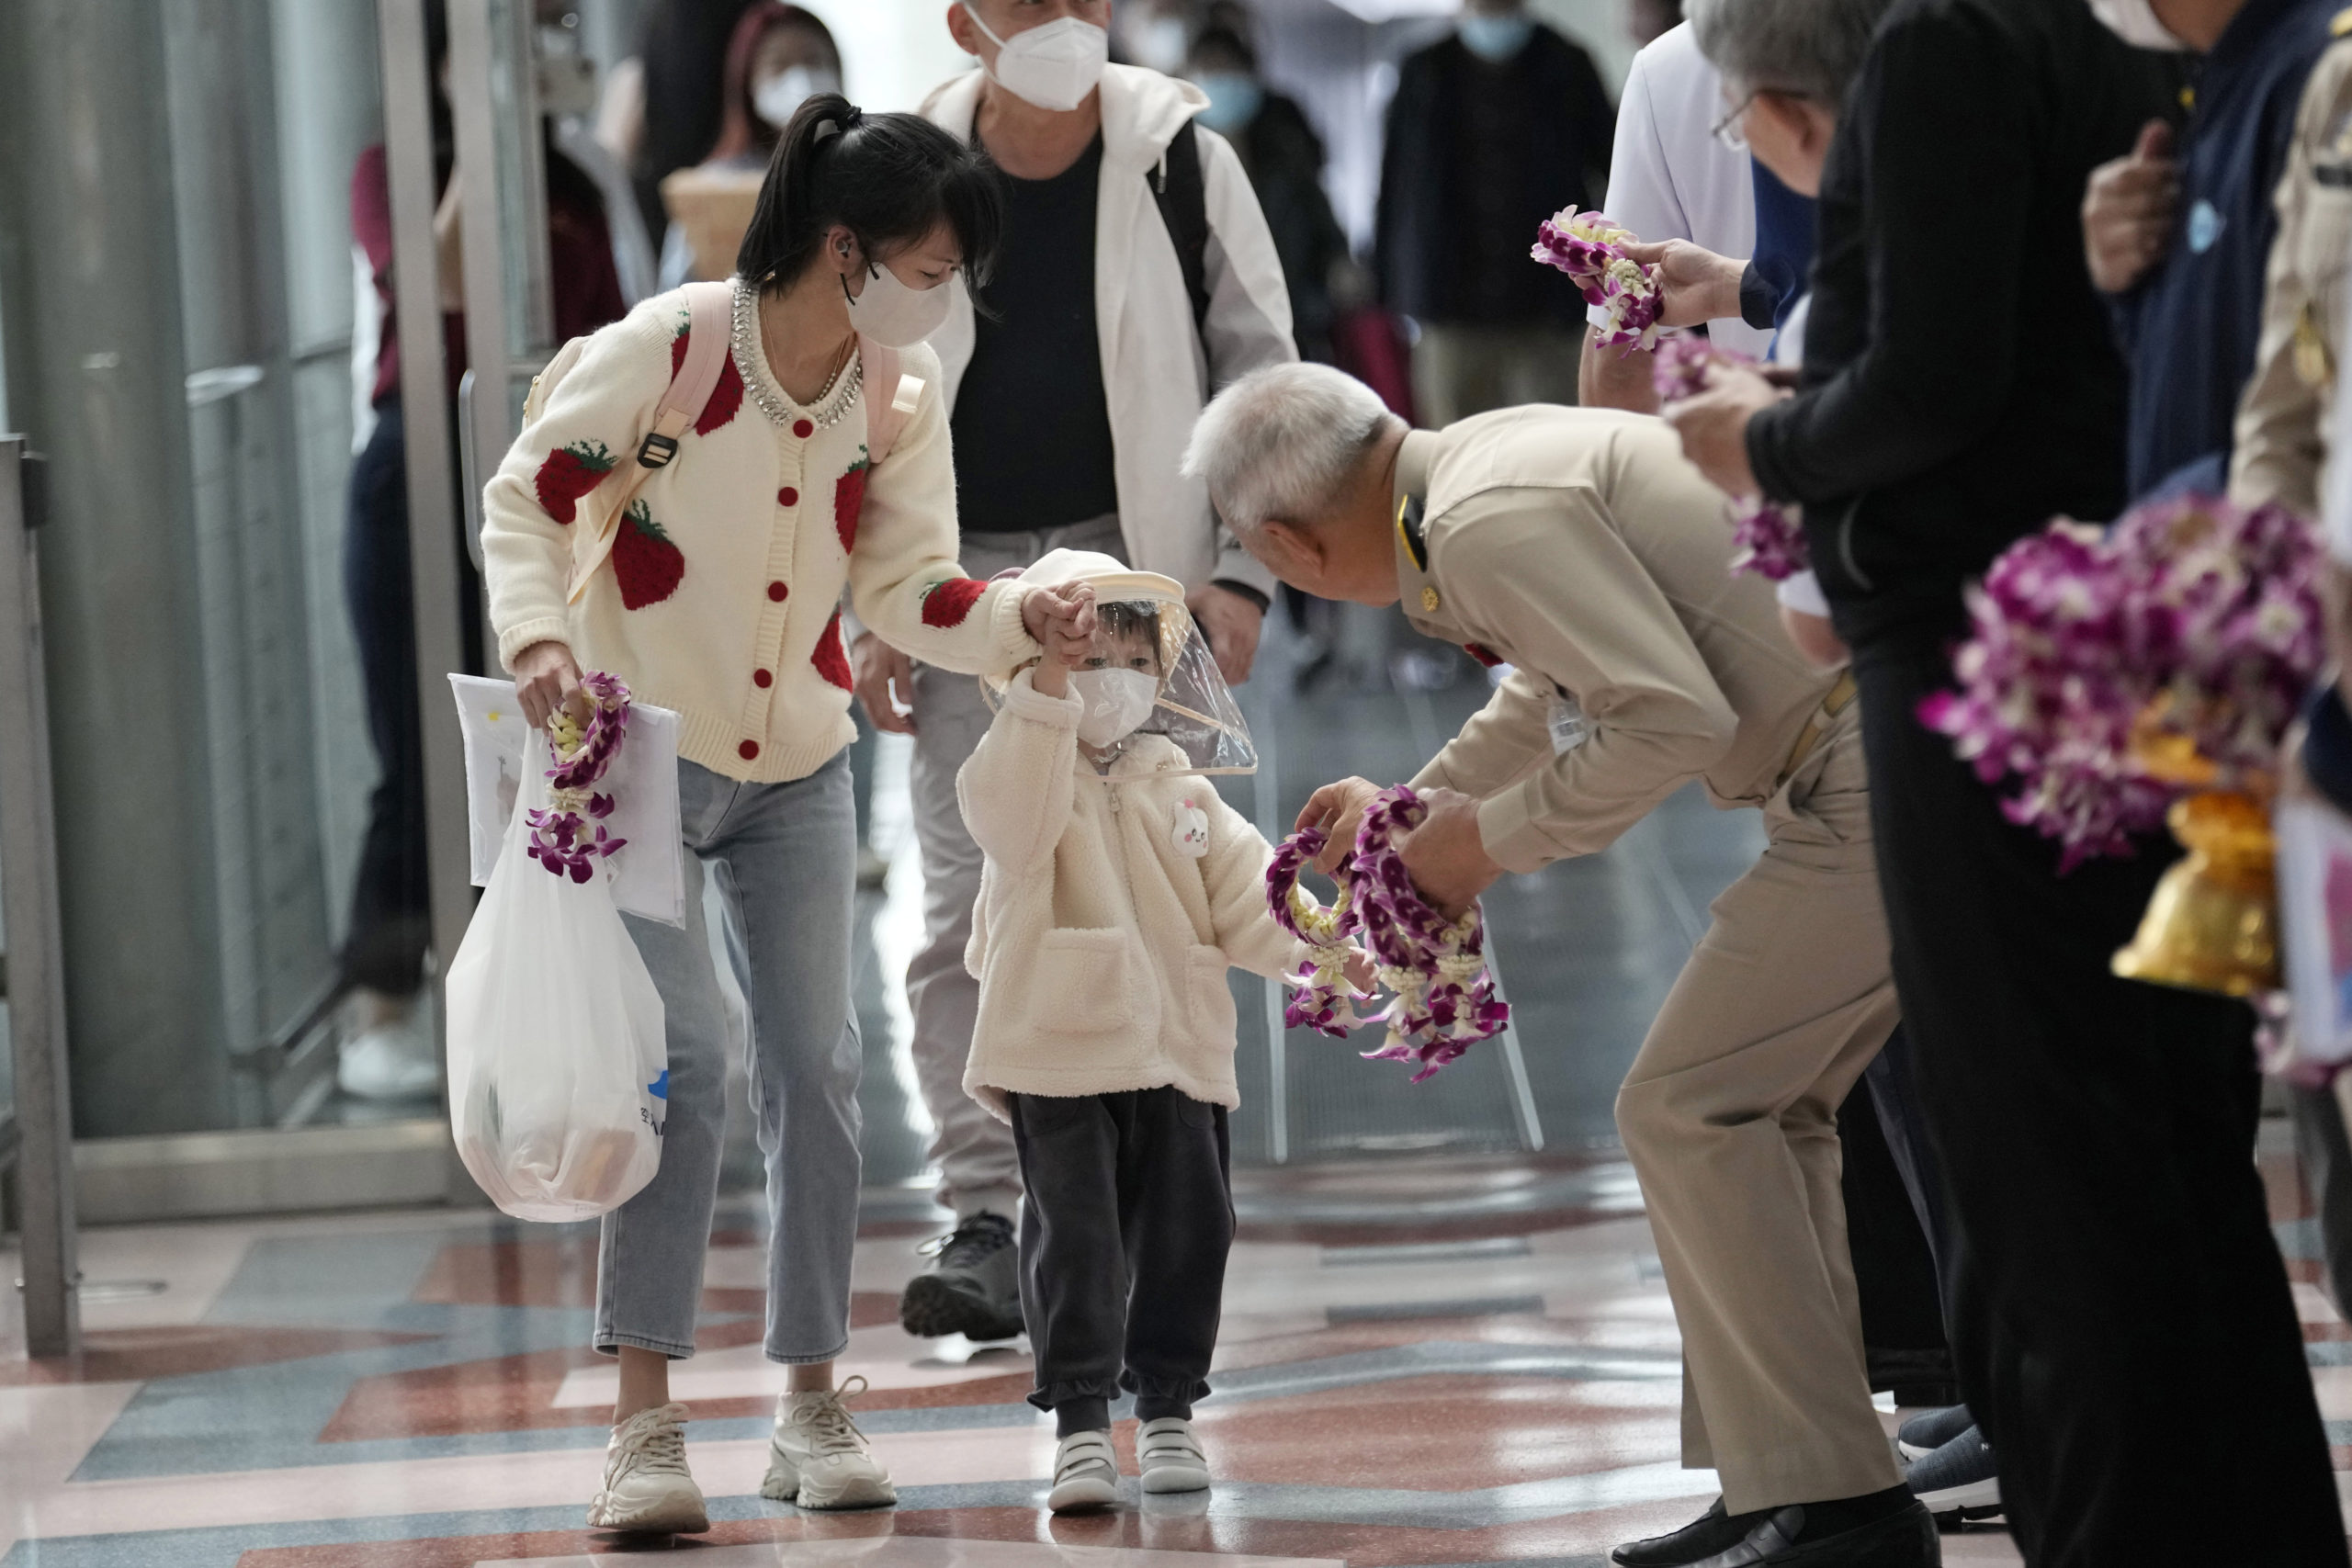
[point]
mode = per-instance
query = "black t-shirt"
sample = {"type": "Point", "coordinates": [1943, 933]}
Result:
{"type": "Point", "coordinates": [1498, 121]}
{"type": "Point", "coordinates": [1032, 426]}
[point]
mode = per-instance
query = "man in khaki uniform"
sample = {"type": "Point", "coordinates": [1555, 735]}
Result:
{"type": "Point", "coordinates": [2284, 421]}
{"type": "Point", "coordinates": [2280, 439]}
{"type": "Point", "coordinates": [1579, 546]}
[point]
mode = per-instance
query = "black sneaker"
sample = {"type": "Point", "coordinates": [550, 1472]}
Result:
{"type": "Point", "coordinates": [1906, 1538]}
{"type": "Point", "coordinates": [973, 1286]}
{"type": "Point", "coordinates": [1931, 1429]}
{"type": "Point", "coordinates": [1960, 1480]}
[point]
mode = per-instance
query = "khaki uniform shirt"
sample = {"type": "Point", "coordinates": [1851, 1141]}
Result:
{"type": "Point", "coordinates": [2280, 438]}
{"type": "Point", "coordinates": [1582, 547]}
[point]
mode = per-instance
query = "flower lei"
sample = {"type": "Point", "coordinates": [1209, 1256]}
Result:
{"type": "Point", "coordinates": [2192, 614]}
{"type": "Point", "coordinates": [561, 837]}
{"type": "Point", "coordinates": [1590, 250]}
{"type": "Point", "coordinates": [1324, 1000]}
{"type": "Point", "coordinates": [1767, 539]}
{"type": "Point", "coordinates": [1444, 1001]}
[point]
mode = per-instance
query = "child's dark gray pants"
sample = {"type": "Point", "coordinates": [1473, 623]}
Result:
{"type": "Point", "coordinates": [1122, 1245]}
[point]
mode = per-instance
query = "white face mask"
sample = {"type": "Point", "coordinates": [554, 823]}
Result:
{"type": "Point", "coordinates": [1117, 702]}
{"type": "Point", "coordinates": [1053, 66]}
{"type": "Point", "coordinates": [2135, 22]}
{"type": "Point", "coordinates": [893, 314]}
{"type": "Point", "coordinates": [775, 98]}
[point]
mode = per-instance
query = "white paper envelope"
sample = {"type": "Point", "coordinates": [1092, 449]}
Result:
{"type": "Point", "coordinates": [649, 876]}
{"type": "Point", "coordinates": [2315, 925]}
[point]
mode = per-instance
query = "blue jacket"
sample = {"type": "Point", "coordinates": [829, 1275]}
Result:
{"type": "Point", "coordinates": [2189, 329]}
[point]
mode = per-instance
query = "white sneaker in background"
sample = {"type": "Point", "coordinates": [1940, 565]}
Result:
{"type": "Point", "coordinates": [392, 1057]}
{"type": "Point", "coordinates": [818, 1457]}
{"type": "Point", "coordinates": [1169, 1455]}
{"type": "Point", "coordinates": [646, 1485]}
{"type": "Point", "coordinates": [1086, 1473]}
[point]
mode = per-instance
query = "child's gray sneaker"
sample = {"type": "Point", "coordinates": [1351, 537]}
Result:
{"type": "Point", "coordinates": [1086, 1473]}
{"type": "Point", "coordinates": [1169, 1455]}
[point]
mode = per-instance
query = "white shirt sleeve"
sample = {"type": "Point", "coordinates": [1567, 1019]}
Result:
{"type": "Point", "coordinates": [1801, 592]}
{"type": "Point", "coordinates": [1641, 188]}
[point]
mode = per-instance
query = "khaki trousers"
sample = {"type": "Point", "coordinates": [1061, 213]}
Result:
{"type": "Point", "coordinates": [1730, 1115]}
{"type": "Point", "coordinates": [1463, 370]}
{"type": "Point", "coordinates": [979, 1171]}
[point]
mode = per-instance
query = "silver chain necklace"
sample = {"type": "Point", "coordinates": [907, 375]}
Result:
{"type": "Point", "coordinates": [751, 364]}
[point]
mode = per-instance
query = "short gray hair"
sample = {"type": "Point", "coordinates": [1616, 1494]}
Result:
{"type": "Point", "coordinates": [1814, 48]}
{"type": "Point", "coordinates": [1281, 441]}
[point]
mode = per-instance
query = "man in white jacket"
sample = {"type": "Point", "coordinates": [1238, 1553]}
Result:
{"type": "Point", "coordinates": [1137, 276]}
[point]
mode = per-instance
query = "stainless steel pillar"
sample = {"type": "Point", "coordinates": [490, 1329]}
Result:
{"type": "Point", "coordinates": [98, 378]}
{"type": "Point", "coordinates": [432, 523]}
{"type": "Point", "coordinates": [36, 970]}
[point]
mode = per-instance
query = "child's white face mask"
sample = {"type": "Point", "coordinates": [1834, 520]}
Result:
{"type": "Point", "coordinates": [1117, 702]}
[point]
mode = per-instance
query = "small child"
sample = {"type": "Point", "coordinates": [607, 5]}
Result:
{"type": "Point", "coordinates": [1117, 891]}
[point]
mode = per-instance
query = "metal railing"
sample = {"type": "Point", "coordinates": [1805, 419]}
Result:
{"type": "Point", "coordinates": [35, 983]}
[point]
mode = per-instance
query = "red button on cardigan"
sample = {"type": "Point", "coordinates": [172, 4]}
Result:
{"type": "Point", "coordinates": [787, 496]}
{"type": "Point", "coordinates": [777, 591]}
{"type": "Point", "coordinates": [762, 678]}
{"type": "Point", "coordinates": [803, 429]}
{"type": "Point", "coordinates": [748, 749]}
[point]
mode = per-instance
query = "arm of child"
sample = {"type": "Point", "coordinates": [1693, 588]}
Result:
{"type": "Point", "coordinates": [1016, 789]}
{"type": "Point", "coordinates": [1233, 871]}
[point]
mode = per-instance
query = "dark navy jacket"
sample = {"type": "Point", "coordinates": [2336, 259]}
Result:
{"type": "Point", "coordinates": [2190, 328]}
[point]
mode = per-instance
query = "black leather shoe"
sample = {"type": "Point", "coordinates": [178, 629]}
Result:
{"type": "Point", "coordinates": [1903, 1540]}
{"type": "Point", "coordinates": [1711, 1532]}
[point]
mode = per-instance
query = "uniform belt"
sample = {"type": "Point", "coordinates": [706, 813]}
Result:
{"type": "Point", "coordinates": [1840, 698]}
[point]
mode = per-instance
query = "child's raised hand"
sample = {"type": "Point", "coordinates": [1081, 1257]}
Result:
{"type": "Point", "coordinates": [1360, 969]}
{"type": "Point", "coordinates": [1062, 620]}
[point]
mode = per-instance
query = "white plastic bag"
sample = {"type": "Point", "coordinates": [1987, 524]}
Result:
{"type": "Point", "coordinates": [649, 876]}
{"type": "Point", "coordinates": [558, 1077]}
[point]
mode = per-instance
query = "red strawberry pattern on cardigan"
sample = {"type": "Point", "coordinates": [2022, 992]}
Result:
{"type": "Point", "coordinates": [649, 566]}
{"type": "Point", "coordinates": [830, 657]}
{"type": "Point", "coordinates": [570, 473]}
{"type": "Point", "coordinates": [725, 394]}
{"type": "Point", "coordinates": [849, 500]}
{"type": "Point", "coordinates": [946, 602]}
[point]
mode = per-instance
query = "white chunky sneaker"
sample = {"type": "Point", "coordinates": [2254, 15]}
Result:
{"type": "Point", "coordinates": [818, 1457]}
{"type": "Point", "coordinates": [1086, 1473]}
{"type": "Point", "coordinates": [1169, 1455]}
{"type": "Point", "coordinates": [647, 1487]}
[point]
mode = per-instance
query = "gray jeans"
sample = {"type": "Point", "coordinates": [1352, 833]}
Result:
{"type": "Point", "coordinates": [978, 1167]}
{"type": "Point", "coordinates": [784, 857]}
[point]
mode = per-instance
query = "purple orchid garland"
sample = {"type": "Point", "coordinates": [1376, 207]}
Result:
{"type": "Point", "coordinates": [2205, 612]}
{"type": "Point", "coordinates": [561, 838]}
{"type": "Point", "coordinates": [1767, 539]}
{"type": "Point", "coordinates": [1444, 999]}
{"type": "Point", "coordinates": [1590, 250]}
{"type": "Point", "coordinates": [1322, 998]}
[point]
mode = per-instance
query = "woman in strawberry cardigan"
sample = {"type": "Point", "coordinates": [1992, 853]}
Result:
{"type": "Point", "coordinates": [721, 598]}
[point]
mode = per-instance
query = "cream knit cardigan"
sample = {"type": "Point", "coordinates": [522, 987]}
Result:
{"type": "Point", "coordinates": [721, 597]}
{"type": "Point", "coordinates": [1100, 943]}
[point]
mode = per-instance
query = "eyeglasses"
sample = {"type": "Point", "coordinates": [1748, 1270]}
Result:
{"type": "Point", "coordinates": [1730, 130]}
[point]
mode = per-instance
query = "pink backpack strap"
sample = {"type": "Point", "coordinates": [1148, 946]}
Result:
{"type": "Point", "coordinates": [710, 310]}
{"type": "Point", "coordinates": [891, 398]}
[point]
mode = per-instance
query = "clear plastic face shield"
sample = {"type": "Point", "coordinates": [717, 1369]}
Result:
{"type": "Point", "coordinates": [1155, 702]}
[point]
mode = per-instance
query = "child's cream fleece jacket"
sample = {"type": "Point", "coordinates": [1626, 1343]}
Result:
{"type": "Point", "coordinates": [1108, 914]}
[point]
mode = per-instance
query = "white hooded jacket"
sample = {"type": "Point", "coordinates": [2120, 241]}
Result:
{"type": "Point", "coordinates": [1156, 376]}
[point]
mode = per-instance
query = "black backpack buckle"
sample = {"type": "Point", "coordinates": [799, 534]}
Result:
{"type": "Point", "coordinates": [656, 450]}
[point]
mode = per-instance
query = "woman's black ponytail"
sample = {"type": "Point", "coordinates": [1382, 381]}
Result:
{"type": "Point", "coordinates": [889, 178]}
